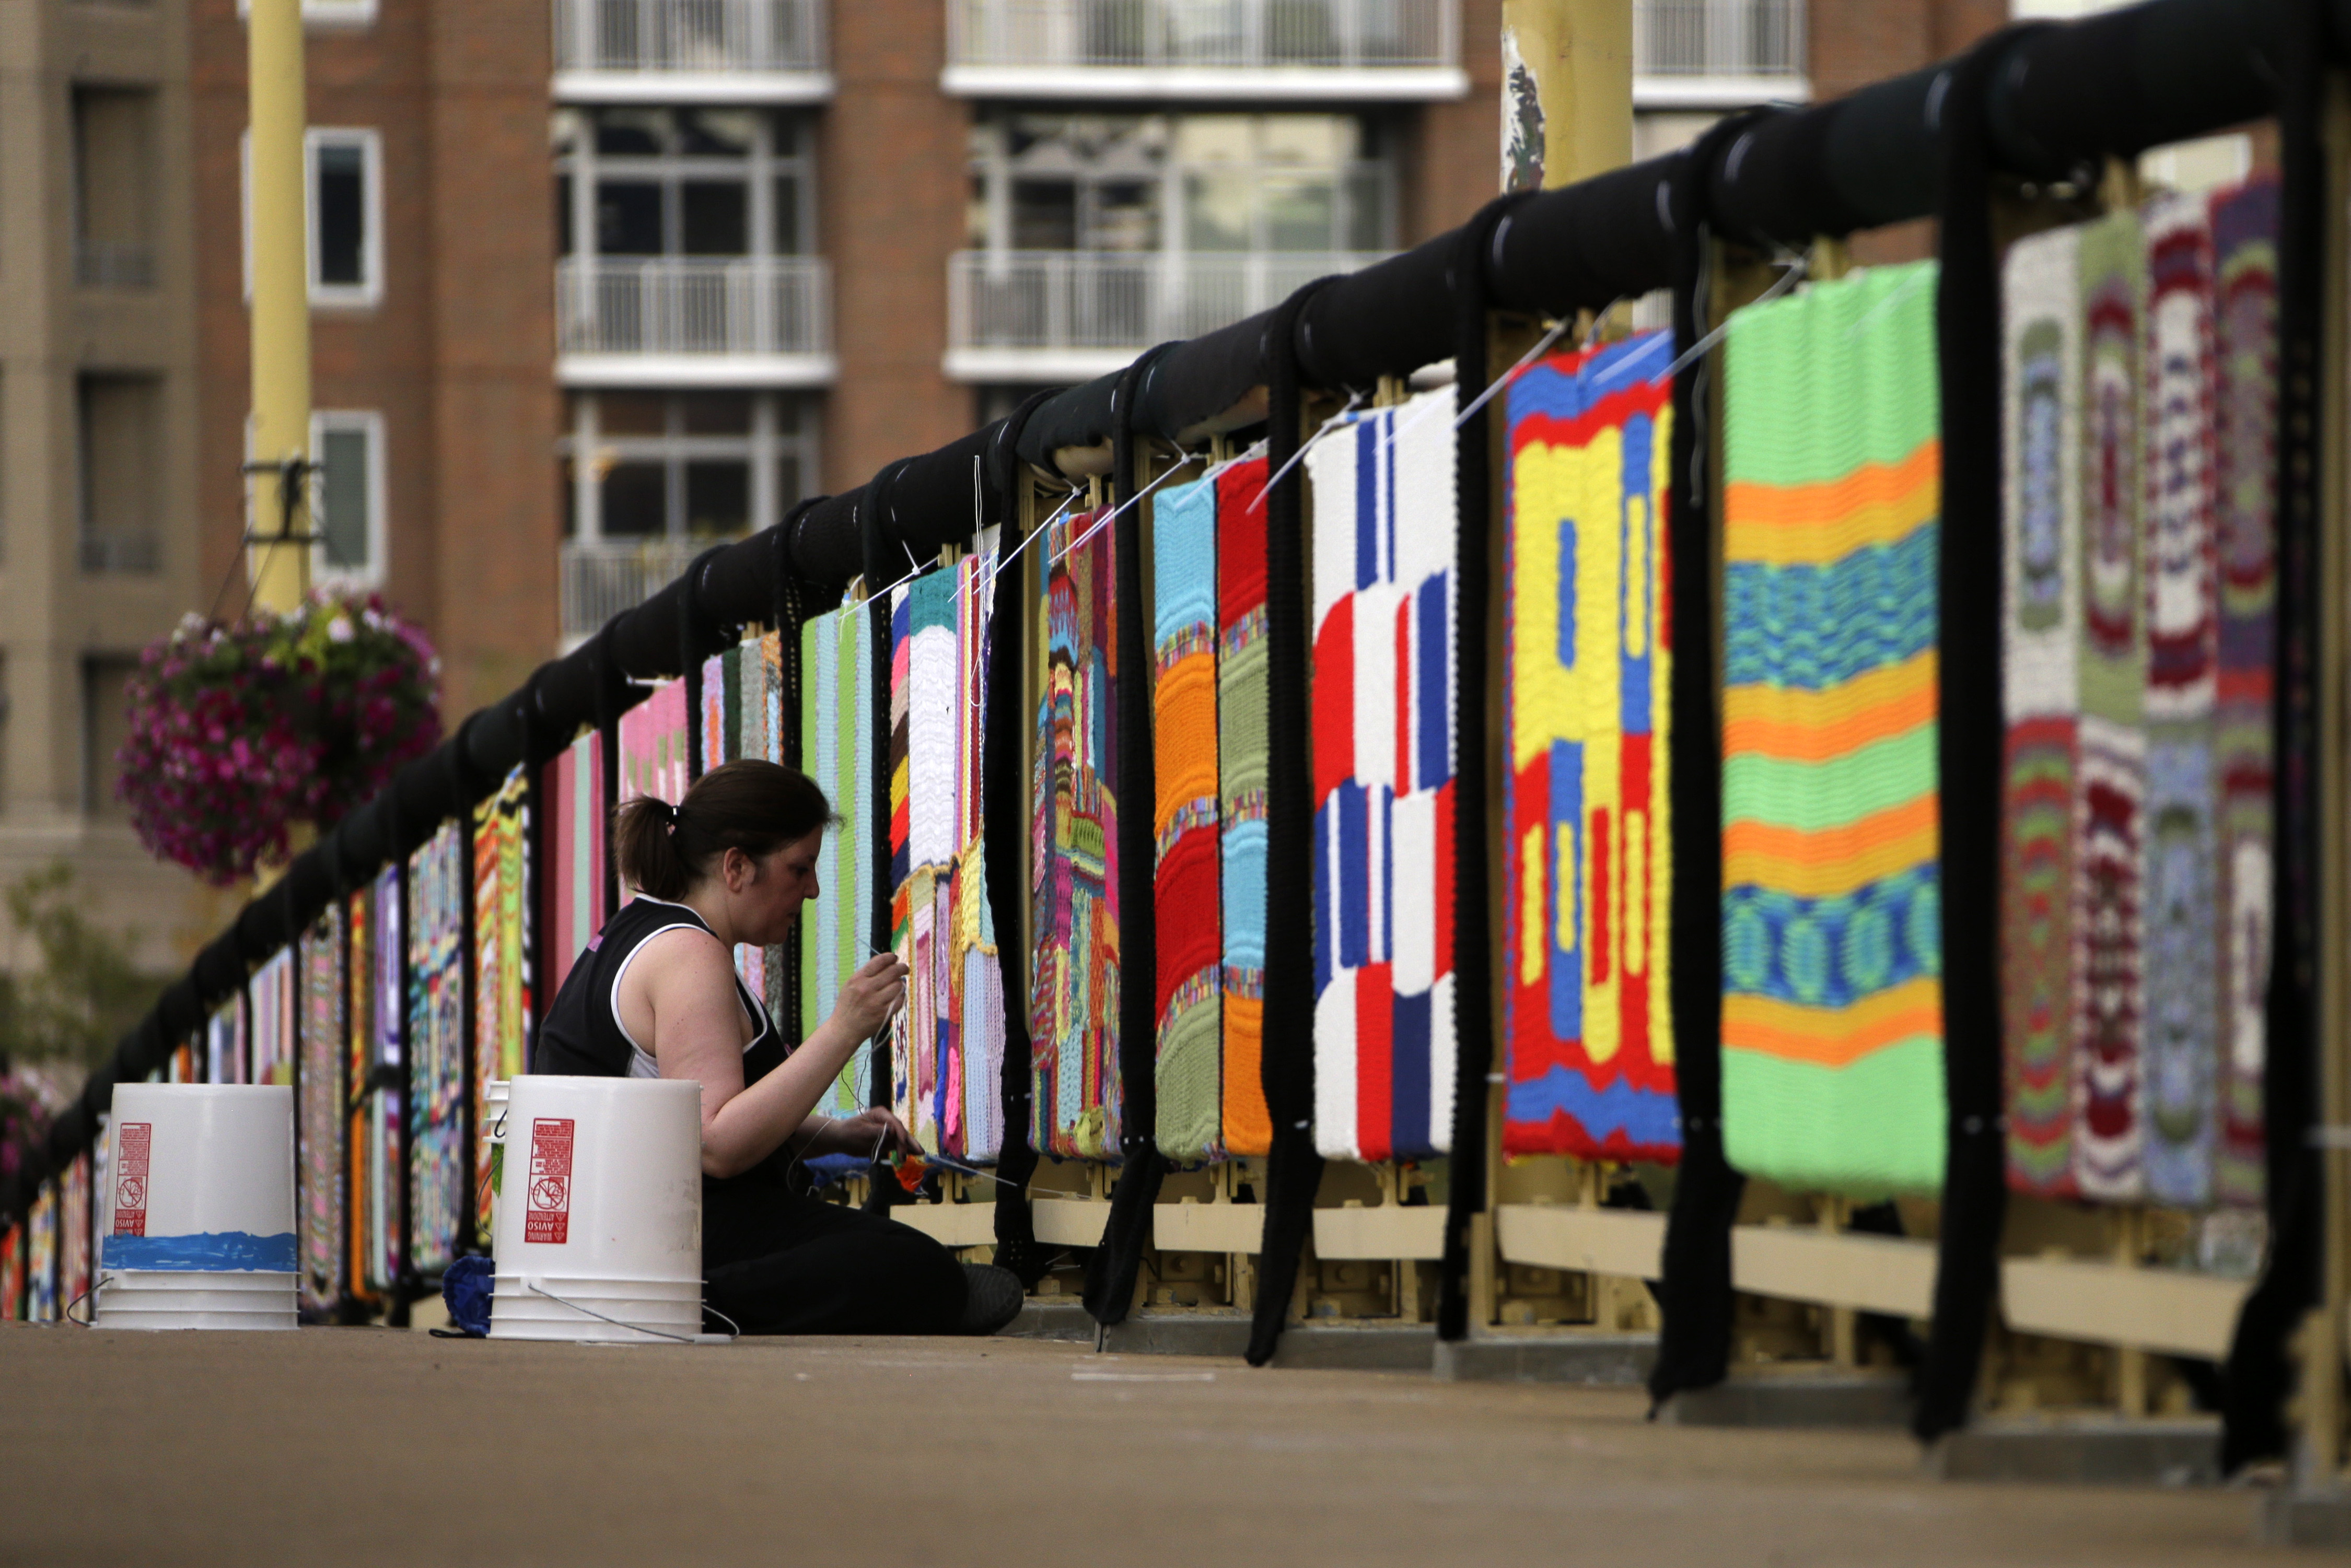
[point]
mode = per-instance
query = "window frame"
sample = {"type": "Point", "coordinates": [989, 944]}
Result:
{"type": "Point", "coordinates": [368, 293]}
{"type": "Point", "coordinates": [370, 424]}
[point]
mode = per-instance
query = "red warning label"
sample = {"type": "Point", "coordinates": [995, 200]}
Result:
{"type": "Point", "coordinates": [548, 1218]}
{"type": "Point", "coordinates": [131, 1140]}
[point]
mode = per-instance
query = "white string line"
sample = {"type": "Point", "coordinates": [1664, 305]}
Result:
{"type": "Point", "coordinates": [1113, 516]}
{"type": "Point", "coordinates": [1869, 316]}
{"type": "Point", "coordinates": [1796, 266]}
{"type": "Point", "coordinates": [1507, 377]}
{"type": "Point", "coordinates": [535, 1289]}
{"type": "Point", "coordinates": [1304, 448]}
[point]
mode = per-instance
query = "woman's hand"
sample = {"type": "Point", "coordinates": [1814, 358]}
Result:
{"type": "Point", "coordinates": [868, 1132]}
{"type": "Point", "coordinates": [871, 997]}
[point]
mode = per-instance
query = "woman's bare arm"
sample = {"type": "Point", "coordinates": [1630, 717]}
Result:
{"type": "Point", "coordinates": [696, 1027]}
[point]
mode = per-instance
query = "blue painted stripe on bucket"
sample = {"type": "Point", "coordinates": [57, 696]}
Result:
{"type": "Point", "coordinates": [216, 1250]}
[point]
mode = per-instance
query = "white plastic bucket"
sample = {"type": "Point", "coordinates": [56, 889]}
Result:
{"type": "Point", "coordinates": [599, 1214]}
{"type": "Point", "coordinates": [198, 1228]}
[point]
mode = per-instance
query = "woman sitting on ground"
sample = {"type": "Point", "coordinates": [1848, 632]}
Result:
{"type": "Point", "coordinates": [655, 996]}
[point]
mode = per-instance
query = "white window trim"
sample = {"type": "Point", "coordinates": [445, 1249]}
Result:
{"type": "Point", "coordinates": [369, 423]}
{"type": "Point", "coordinates": [368, 293]}
{"type": "Point", "coordinates": [364, 296]}
{"type": "Point", "coordinates": [324, 14]}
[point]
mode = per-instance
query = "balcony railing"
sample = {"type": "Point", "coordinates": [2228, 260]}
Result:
{"type": "Point", "coordinates": [697, 306]}
{"type": "Point", "coordinates": [100, 264]}
{"type": "Point", "coordinates": [129, 550]}
{"type": "Point", "coordinates": [603, 577]}
{"type": "Point", "coordinates": [1719, 38]}
{"type": "Point", "coordinates": [690, 37]}
{"type": "Point", "coordinates": [1082, 301]}
{"type": "Point", "coordinates": [1221, 35]}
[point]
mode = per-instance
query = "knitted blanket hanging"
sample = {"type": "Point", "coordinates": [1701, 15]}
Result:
{"type": "Point", "coordinates": [654, 747]}
{"type": "Point", "coordinates": [1587, 1031]}
{"type": "Point", "coordinates": [572, 785]}
{"type": "Point", "coordinates": [837, 748]}
{"type": "Point", "coordinates": [324, 1188]}
{"type": "Point", "coordinates": [74, 1249]}
{"type": "Point", "coordinates": [1384, 539]}
{"type": "Point", "coordinates": [1832, 1016]}
{"type": "Point", "coordinates": [41, 1300]}
{"type": "Point", "coordinates": [947, 1045]}
{"type": "Point", "coordinates": [387, 1109]}
{"type": "Point", "coordinates": [1242, 742]}
{"type": "Point", "coordinates": [2244, 494]}
{"type": "Point", "coordinates": [1188, 1069]}
{"type": "Point", "coordinates": [363, 1109]}
{"type": "Point", "coordinates": [501, 990]}
{"type": "Point", "coordinates": [1073, 850]}
{"type": "Point", "coordinates": [271, 991]}
{"type": "Point", "coordinates": [12, 1273]}
{"type": "Point", "coordinates": [438, 1166]}
{"type": "Point", "coordinates": [225, 1042]}
{"type": "Point", "coordinates": [710, 731]}
{"type": "Point", "coordinates": [763, 738]}
{"type": "Point", "coordinates": [2141, 566]}
{"type": "Point", "coordinates": [739, 681]}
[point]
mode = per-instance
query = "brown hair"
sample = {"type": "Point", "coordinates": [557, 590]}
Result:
{"type": "Point", "coordinates": [752, 806]}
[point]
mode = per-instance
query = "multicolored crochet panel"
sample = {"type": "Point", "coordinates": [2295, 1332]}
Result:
{"type": "Point", "coordinates": [1831, 943]}
{"type": "Point", "coordinates": [654, 747]}
{"type": "Point", "coordinates": [1243, 743]}
{"type": "Point", "coordinates": [1190, 995]}
{"type": "Point", "coordinates": [1385, 542]}
{"type": "Point", "coordinates": [386, 1110]}
{"type": "Point", "coordinates": [1073, 848]}
{"type": "Point", "coordinates": [501, 999]}
{"type": "Point", "coordinates": [947, 1045]}
{"type": "Point", "coordinates": [572, 786]}
{"type": "Point", "coordinates": [325, 1216]}
{"type": "Point", "coordinates": [1588, 1033]}
{"type": "Point", "coordinates": [2140, 556]}
{"type": "Point", "coordinates": [439, 1169]}
{"type": "Point", "coordinates": [836, 713]}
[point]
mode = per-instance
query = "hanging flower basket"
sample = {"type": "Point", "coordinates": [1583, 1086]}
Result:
{"type": "Point", "coordinates": [239, 732]}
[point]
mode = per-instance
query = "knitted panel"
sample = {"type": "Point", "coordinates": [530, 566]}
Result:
{"type": "Point", "coordinates": [1588, 1030]}
{"type": "Point", "coordinates": [224, 1043]}
{"type": "Point", "coordinates": [324, 1192]}
{"type": "Point", "coordinates": [74, 1249]}
{"type": "Point", "coordinates": [2182, 912]}
{"type": "Point", "coordinates": [2244, 490]}
{"type": "Point", "coordinates": [437, 1165]}
{"type": "Point", "coordinates": [1073, 850]}
{"type": "Point", "coordinates": [2043, 567]}
{"type": "Point", "coordinates": [2109, 818]}
{"type": "Point", "coordinates": [502, 1007]}
{"type": "Point", "coordinates": [572, 785]}
{"type": "Point", "coordinates": [743, 681]}
{"type": "Point", "coordinates": [654, 745]}
{"type": "Point", "coordinates": [387, 1109]}
{"type": "Point", "coordinates": [837, 744]}
{"type": "Point", "coordinates": [1384, 534]}
{"type": "Point", "coordinates": [1188, 1071]}
{"type": "Point", "coordinates": [763, 738]}
{"type": "Point", "coordinates": [1832, 1017]}
{"type": "Point", "coordinates": [361, 1120]}
{"type": "Point", "coordinates": [925, 671]}
{"type": "Point", "coordinates": [972, 1096]}
{"type": "Point", "coordinates": [12, 1274]}
{"type": "Point", "coordinates": [41, 1264]}
{"type": "Point", "coordinates": [711, 733]}
{"type": "Point", "coordinates": [1241, 749]}
{"type": "Point", "coordinates": [273, 1041]}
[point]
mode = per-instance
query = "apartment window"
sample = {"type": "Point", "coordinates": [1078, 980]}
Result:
{"type": "Point", "coordinates": [643, 182]}
{"type": "Point", "coordinates": [1180, 183]}
{"type": "Point", "coordinates": [114, 186]}
{"type": "Point", "coordinates": [104, 727]}
{"type": "Point", "coordinates": [348, 446]}
{"type": "Point", "coordinates": [119, 459]}
{"type": "Point", "coordinates": [646, 466]}
{"type": "Point", "coordinates": [326, 14]}
{"type": "Point", "coordinates": [344, 169]}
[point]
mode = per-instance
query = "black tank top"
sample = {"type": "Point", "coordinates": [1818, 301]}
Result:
{"type": "Point", "coordinates": [582, 1038]}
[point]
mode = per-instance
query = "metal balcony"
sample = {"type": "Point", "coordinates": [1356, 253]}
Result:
{"type": "Point", "coordinates": [689, 51]}
{"type": "Point", "coordinates": [1205, 50]}
{"type": "Point", "coordinates": [1055, 316]}
{"type": "Point", "coordinates": [1717, 53]}
{"type": "Point", "coordinates": [603, 577]}
{"type": "Point", "coordinates": [684, 321]}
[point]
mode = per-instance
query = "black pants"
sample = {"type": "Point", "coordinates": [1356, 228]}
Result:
{"type": "Point", "coordinates": [777, 1262]}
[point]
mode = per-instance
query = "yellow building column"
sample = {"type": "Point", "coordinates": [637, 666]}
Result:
{"type": "Point", "coordinates": [278, 553]}
{"type": "Point", "coordinates": [1567, 90]}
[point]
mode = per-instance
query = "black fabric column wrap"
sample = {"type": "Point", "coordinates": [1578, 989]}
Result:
{"type": "Point", "coordinates": [2260, 1373]}
{"type": "Point", "coordinates": [1969, 733]}
{"type": "Point", "coordinates": [1473, 997]}
{"type": "Point", "coordinates": [789, 596]}
{"type": "Point", "coordinates": [696, 639]}
{"type": "Point", "coordinates": [1293, 1168]}
{"type": "Point", "coordinates": [406, 1287]}
{"type": "Point", "coordinates": [1694, 1294]}
{"type": "Point", "coordinates": [1002, 783]}
{"type": "Point", "coordinates": [1111, 1272]}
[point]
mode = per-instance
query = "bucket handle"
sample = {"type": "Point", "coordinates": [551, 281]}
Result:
{"type": "Point", "coordinates": [537, 1288]}
{"type": "Point", "coordinates": [89, 1291]}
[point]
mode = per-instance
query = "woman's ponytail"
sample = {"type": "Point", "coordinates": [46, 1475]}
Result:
{"type": "Point", "coordinates": [753, 806]}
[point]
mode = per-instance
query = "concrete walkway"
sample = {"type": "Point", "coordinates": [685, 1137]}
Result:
{"type": "Point", "coordinates": [368, 1446]}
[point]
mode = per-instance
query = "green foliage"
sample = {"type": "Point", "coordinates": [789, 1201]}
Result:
{"type": "Point", "coordinates": [72, 995]}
